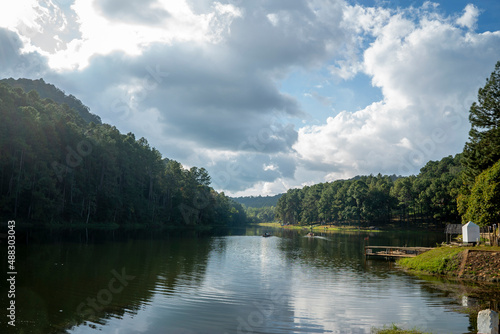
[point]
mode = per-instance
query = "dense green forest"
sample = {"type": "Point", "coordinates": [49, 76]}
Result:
{"type": "Point", "coordinates": [427, 197]}
{"type": "Point", "coordinates": [57, 167]}
{"type": "Point", "coordinates": [460, 188]}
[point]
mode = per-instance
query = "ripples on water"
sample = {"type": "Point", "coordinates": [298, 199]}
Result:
{"type": "Point", "coordinates": [235, 284]}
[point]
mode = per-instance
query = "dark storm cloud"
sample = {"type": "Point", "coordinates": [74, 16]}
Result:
{"type": "Point", "coordinates": [215, 130]}
{"type": "Point", "coordinates": [10, 45]}
{"type": "Point", "coordinates": [216, 79]}
{"type": "Point", "coordinates": [15, 64]}
{"type": "Point", "coordinates": [146, 12]}
{"type": "Point", "coordinates": [213, 106]}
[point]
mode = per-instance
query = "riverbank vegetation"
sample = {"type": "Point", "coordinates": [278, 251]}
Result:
{"type": "Point", "coordinates": [61, 169]}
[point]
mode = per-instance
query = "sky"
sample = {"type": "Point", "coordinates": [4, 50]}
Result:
{"type": "Point", "coordinates": [267, 95]}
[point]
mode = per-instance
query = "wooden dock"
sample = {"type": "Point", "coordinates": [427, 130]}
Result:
{"type": "Point", "coordinates": [391, 252]}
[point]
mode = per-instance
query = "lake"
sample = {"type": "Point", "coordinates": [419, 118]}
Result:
{"type": "Point", "coordinates": [239, 282]}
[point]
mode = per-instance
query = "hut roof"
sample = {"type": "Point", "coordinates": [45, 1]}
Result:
{"type": "Point", "coordinates": [453, 229]}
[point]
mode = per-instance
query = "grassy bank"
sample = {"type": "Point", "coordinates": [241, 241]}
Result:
{"type": "Point", "coordinates": [438, 261]}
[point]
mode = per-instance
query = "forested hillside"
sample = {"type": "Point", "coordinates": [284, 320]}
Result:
{"type": "Point", "coordinates": [258, 201]}
{"type": "Point", "coordinates": [57, 168]}
{"type": "Point", "coordinates": [428, 197]}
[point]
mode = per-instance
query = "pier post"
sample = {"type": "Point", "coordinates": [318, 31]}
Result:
{"type": "Point", "coordinates": [487, 322]}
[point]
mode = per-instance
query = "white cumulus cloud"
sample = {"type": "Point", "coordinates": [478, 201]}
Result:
{"type": "Point", "coordinates": [469, 17]}
{"type": "Point", "coordinates": [429, 72]}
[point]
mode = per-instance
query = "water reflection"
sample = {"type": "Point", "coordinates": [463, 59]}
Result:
{"type": "Point", "coordinates": [64, 285]}
{"type": "Point", "coordinates": [243, 283]}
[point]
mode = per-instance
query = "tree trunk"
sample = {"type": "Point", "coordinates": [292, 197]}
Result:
{"type": "Point", "coordinates": [88, 213]}
{"type": "Point", "coordinates": [18, 183]}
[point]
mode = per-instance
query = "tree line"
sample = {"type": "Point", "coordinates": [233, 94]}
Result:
{"type": "Point", "coordinates": [56, 167]}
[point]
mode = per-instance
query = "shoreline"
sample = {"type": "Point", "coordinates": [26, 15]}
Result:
{"type": "Point", "coordinates": [320, 228]}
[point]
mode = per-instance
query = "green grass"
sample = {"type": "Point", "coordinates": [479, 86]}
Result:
{"type": "Point", "coordinates": [396, 330]}
{"type": "Point", "coordinates": [439, 261]}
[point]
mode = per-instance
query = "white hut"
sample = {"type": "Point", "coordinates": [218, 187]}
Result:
{"type": "Point", "coordinates": [470, 232]}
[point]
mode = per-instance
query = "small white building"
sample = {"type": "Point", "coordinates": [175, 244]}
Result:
{"type": "Point", "coordinates": [470, 233]}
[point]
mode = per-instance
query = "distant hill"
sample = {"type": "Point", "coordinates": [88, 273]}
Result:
{"type": "Point", "coordinates": [49, 91]}
{"type": "Point", "coordinates": [259, 201]}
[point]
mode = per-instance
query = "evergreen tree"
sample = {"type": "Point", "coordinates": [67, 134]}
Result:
{"type": "Point", "coordinates": [482, 205]}
{"type": "Point", "coordinates": [483, 148]}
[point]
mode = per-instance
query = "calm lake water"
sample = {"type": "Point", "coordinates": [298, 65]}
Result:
{"type": "Point", "coordinates": [239, 283]}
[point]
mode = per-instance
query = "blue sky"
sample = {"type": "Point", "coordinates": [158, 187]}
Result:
{"type": "Point", "coordinates": [267, 95]}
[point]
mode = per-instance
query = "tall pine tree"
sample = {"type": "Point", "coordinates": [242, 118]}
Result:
{"type": "Point", "coordinates": [483, 148]}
